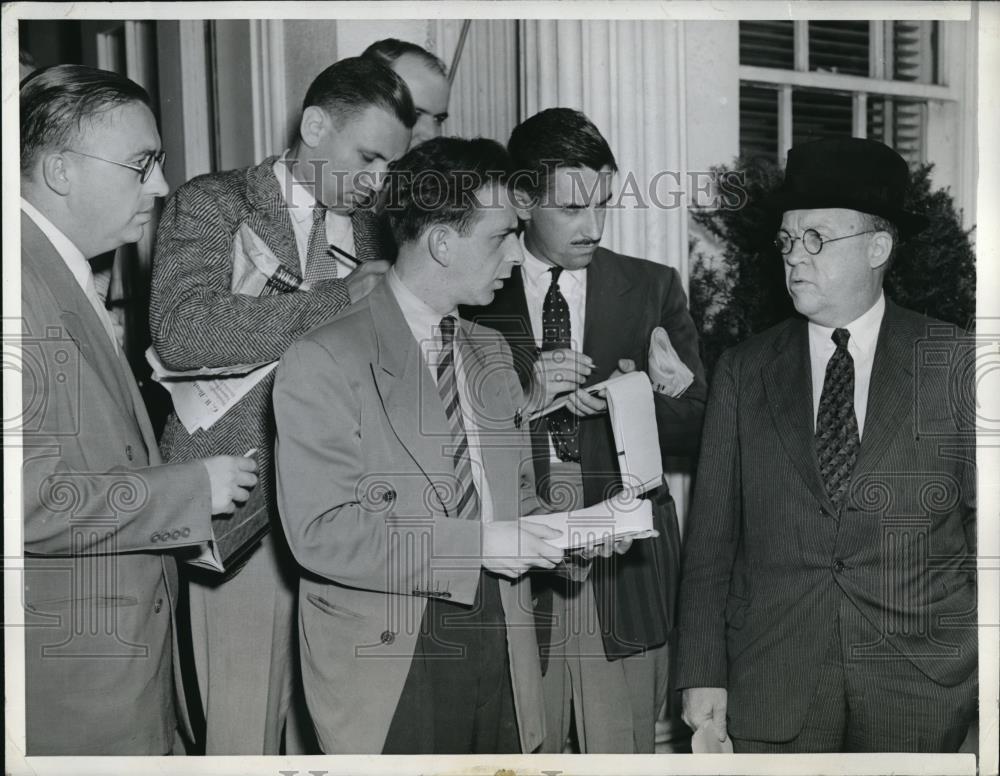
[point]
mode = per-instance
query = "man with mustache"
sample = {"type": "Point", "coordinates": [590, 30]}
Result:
{"type": "Point", "coordinates": [356, 119]}
{"type": "Point", "coordinates": [573, 314]}
{"type": "Point", "coordinates": [828, 601]}
{"type": "Point", "coordinates": [401, 465]}
{"type": "Point", "coordinates": [103, 515]}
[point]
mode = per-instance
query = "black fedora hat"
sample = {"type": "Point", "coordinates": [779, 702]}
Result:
{"type": "Point", "coordinates": [847, 172]}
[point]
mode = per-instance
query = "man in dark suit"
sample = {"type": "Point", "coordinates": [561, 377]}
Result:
{"type": "Point", "coordinates": [102, 513]}
{"type": "Point", "coordinates": [300, 207]}
{"type": "Point", "coordinates": [828, 600]}
{"type": "Point", "coordinates": [402, 470]}
{"type": "Point", "coordinates": [574, 313]}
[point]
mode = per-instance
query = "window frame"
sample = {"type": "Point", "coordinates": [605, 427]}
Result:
{"type": "Point", "coordinates": [860, 88]}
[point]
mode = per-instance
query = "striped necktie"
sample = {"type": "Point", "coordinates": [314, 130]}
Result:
{"type": "Point", "coordinates": [837, 439]}
{"type": "Point", "coordinates": [320, 261]}
{"type": "Point", "coordinates": [468, 501]}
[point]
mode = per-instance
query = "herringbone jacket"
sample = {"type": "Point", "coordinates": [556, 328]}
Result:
{"type": "Point", "coordinates": [196, 321]}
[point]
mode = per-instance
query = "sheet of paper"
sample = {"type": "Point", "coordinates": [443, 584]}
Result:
{"type": "Point", "coordinates": [208, 558]}
{"type": "Point", "coordinates": [620, 517]}
{"type": "Point", "coordinates": [633, 421]}
{"type": "Point", "coordinates": [200, 403]}
{"type": "Point", "coordinates": [706, 741]}
{"type": "Point", "coordinates": [161, 373]}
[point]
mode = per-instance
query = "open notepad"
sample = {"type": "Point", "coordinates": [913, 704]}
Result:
{"type": "Point", "coordinates": [632, 413]}
{"type": "Point", "coordinates": [622, 517]}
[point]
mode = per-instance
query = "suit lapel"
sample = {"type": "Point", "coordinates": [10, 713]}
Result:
{"type": "Point", "coordinates": [269, 217]}
{"type": "Point", "coordinates": [486, 388]}
{"type": "Point", "coordinates": [407, 391]}
{"type": "Point", "coordinates": [608, 318]}
{"type": "Point", "coordinates": [78, 318]}
{"type": "Point", "coordinates": [788, 386]}
{"type": "Point", "coordinates": [889, 393]}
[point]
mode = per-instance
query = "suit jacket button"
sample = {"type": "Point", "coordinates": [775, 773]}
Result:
{"type": "Point", "coordinates": [185, 532]}
{"type": "Point", "coordinates": [389, 496]}
{"type": "Point", "coordinates": [154, 538]}
{"type": "Point", "coordinates": [128, 452]}
{"type": "Point", "coordinates": [387, 637]}
{"type": "Point", "coordinates": [838, 565]}
{"type": "Point", "coordinates": [158, 605]}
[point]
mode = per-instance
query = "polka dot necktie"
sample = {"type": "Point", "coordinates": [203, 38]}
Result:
{"type": "Point", "coordinates": [321, 264]}
{"type": "Point", "coordinates": [468, 497]}
{"type": "Point", "coordinates": [837, 439]}
{"type": "Point", "coordinates": [556, 335]}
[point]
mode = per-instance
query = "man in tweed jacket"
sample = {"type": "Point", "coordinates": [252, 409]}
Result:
{"type": "Point", "coordinates": [828, 599]}
{"type": "Point", "coordinates": [356, 118]}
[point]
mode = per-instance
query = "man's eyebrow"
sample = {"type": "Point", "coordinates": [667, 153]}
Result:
{"type": "Point", "coordinates": [505, 232]}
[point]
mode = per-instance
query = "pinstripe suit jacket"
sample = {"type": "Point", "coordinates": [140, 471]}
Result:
{"type": "Point", "coordinates": [196, 321]}
{"type": "Point", "coordinates": [100, 510]}
{"type": "Point", "coordinates": [626, 299]}
{"type": "Point", "coordinates": [768, 561]}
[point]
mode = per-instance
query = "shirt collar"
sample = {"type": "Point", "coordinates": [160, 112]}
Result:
{"type": "Point", "coordinates": [536, 271]}
{"type": "Point", "coordinates": [423, 320]}
{"type": "Point", "coordinates": [70, 254]}
{"type": "Point", "coordinates": [864, 329]}
{"type": "Point", "coordinates": [297, 196]}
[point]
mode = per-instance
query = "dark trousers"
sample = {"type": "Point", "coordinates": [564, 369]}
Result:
{"type": "Point", "coordinates": [458, 697]}
{"type": "Point", "coordinates": [884, 706]}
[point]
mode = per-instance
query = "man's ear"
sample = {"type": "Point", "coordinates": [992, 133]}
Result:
{"type": "Point", "coordinates": [314, 125]}
{"type": "Point", "coordinates": [523, 203]}
{"type": "Point", "coordinates": [879, 249]}
{"type": "Point", "coordinates": [55, 173]}
{"type": "Point", "coordinates": [439, 238]}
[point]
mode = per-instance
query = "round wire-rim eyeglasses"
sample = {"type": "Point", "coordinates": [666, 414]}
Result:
{"type": "Point", "coordinates": [812, 241]}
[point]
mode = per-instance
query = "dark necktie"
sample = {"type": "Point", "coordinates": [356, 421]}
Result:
{"type": "Point", "coordinates": [556, 335]}
{"type": "Point", "coordinates": [837, 438]}
{"type": "Point", "coordinates": [468, 500]}
{"type": "Point", "coordinates": [320, 261]}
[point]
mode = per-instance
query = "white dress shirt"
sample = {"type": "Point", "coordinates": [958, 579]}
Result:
{"type": "Point", "coordinates": [425, 325]}
{"type": "Point", "coordinates": [77, 264]}
{"type": "Point", "coordinates": [301, 203]}
{"type": "Point", "coordinates": [573, 285]}
{"type": "Point", "coordinates": [861, 345]}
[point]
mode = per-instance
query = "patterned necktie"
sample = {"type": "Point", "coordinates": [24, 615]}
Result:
{"type": "Point", "coordinates": [837, 438]}
{"type": "Point", "coordinates": [468, 501]}
{"type": "Point", "coordinates": [320, 261]}
{"type": "Point", "coordinates": [364, 225]}
{"type": "Point", "coordinates": [556, 334]}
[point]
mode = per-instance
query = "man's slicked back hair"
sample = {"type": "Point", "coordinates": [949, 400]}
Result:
{"type": "Point", "coordinates": [553, 138]}
{"type": "Point", "coordinates": [437, 181]}
{"type": "Point", "coordinates": [350, 86]}
{"type": "Point", "coordinates": [56, 102]}
{"type": "Point", "coordinates": [388, 50]}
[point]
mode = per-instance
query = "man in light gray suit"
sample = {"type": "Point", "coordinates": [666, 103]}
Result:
{"type": "Point", "coordinates": [102, 513]}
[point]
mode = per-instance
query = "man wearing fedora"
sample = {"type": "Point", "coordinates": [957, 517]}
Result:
{"type": "Point", "coordinates": [828, 598]}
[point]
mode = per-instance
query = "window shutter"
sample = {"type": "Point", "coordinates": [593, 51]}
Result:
{"type": "Point", "coordinates": [767, 44]}
{"type": "Point", "coordinates": [839, 47]}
